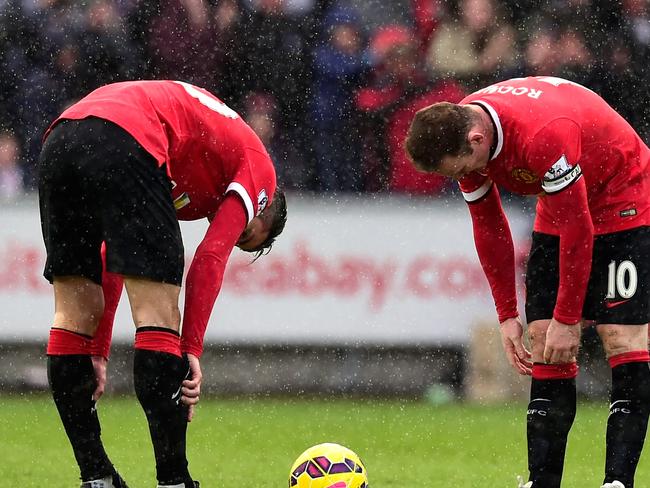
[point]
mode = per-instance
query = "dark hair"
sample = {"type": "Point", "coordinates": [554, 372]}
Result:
{"type": "Point", "coordinates": [276, 213]}
{"type": "Point", "coordinates": [437, 131]}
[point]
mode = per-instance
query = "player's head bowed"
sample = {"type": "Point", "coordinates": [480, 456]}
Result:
{"type": "Point", "coordinates": [437, 131]}
{"type": "Point", "coordinates": [274, 218]}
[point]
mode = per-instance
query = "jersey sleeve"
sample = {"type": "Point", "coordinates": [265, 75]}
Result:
{"type": "Point", "coordinates": [254, 181]}
{"type": "Point", "coordinates": [112, 285]}
{"type": "Point", "coordinates": [206, 272]}
{"type": "Point", "coordinates": [554, 154]}
{"type": "Point", "coordinates": [475, 186]}
{"type": "Point", "coordinates": [569, 210]}
{"type": "Point", "coordinates": [493, 241]}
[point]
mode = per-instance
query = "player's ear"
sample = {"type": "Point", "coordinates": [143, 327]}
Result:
{"type": "Point", "coordinates": [475, 136]}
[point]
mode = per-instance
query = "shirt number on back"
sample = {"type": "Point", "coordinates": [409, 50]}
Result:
{"type": "Point", "coordinates": [206, 100]}
{"type": "Point", "coordinates": [622, 279]}
{"type": "Point", "coordinates": [555, 81]}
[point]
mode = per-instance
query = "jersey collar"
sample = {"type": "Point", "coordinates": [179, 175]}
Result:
{"type": "Point", "coordinates": [497, 144]}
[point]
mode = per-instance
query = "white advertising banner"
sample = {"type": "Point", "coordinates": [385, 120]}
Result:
{"type": "Point", "coordinates": [345, 271]}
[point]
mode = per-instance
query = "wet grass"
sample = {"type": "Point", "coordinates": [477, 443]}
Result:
{"type": "Point", "coordinates": [252, 442]}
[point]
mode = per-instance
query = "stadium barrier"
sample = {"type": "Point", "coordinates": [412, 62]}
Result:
{"type": "Point", "coordinates": [379, 271]}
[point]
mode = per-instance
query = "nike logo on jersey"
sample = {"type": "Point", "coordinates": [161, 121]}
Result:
{"type": "Point", "coordinates": [615, 304]}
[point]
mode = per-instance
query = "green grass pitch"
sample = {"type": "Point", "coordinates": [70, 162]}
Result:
{"type": "Point", "coordinates": [253, 442]}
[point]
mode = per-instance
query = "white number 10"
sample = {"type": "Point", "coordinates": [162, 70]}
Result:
{"type": "Point", "coordinates": [622, 279]}
{"type": "Point", "coordinates": [212, 103]}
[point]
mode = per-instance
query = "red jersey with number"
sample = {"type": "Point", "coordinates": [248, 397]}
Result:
{"type": "Point", "coordinates": [558, 140]}
{"type": "Point", "coordinates": [209, 153]}
{"type": "Point", "coordinates": [549, 132]}
{"type": "Point", "coordinates": [207, 148]}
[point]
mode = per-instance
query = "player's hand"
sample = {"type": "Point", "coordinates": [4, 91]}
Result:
{"type": "Point", "coordinates": [562, 341]}
{"type": "Point", "coordinates": [99, 365]}
{"type": "Point", "coordinates": [513, 344]}
{"type": "Point", "coordinates": [191, 389]}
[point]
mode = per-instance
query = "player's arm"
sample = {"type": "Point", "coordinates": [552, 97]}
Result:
{"type": "Point", "coordinates": [203, 284]}
{"type": "Point", "coordinates": [554, 154]}
{"type": "Point", "coordinates": [101, 344]}
{"type": "Point", "coordinates": [112, 287]}
{"type": "Point", "coordinates": [206, 272]}
{"type": "Point", "coordinates": [570, 213]}
{"type": "Point", "coordinates": [495, 248]}
{"type": "Point", "coordinates": [493, 241]}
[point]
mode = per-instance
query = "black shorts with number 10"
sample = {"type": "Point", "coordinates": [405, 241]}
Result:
{"type": "Point", "coordinates": [97, 184]}
{"type": "Point", "coordinates": [619, 284]}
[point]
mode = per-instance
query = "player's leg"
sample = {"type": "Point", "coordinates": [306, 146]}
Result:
{"type": "Point", "coordinates": [143, 243]}
{"type": "Point", "coordinates": [552, 406]}
{"type": "Point", "coordinates": [621, 274]}
{"type": "Point", "coordinates": [626, 349]}
{"type": "Point", "coordinates": [78, 308]}
{"type": "Point", "coordinates": [551, 411]}
{"type": "Point", "coordinates": [159, 369]}
{"type": "Point", "coordinates": [72, 241]}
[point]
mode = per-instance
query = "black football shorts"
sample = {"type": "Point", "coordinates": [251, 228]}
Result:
{"type": "Point", "coordinates": [619, 285]}
{"type": "Point", "coordinates": [96, 183]}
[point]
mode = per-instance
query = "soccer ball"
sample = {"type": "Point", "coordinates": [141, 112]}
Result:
{"type": "Point", "coordinates": [328, 466]}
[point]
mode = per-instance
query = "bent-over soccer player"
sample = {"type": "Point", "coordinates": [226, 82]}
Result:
{"type": "Point", "coordinates": [118, 170]}
{"type": "Point", "coordinates": [588, 263]}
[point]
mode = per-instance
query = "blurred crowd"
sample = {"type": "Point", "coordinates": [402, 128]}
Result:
{"type": "Point", "coordinates": [329, 85]}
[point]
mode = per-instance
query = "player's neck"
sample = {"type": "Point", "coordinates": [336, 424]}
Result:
{"type": "Point", "coordinates": [486, 126]}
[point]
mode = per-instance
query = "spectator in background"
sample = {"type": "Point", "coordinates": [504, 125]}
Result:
{"type": "Point", "coordinates": [52, 51]}
{"type": "Point", "coordinates": [105, 53]}
{"type": "Point", "coordinates": [636, 17]}
{"type": "Point", "coordinates": [538, 55]}
{"type": "Point", "coordinates": [260, 111]}
{"type": "Point", "coordinates": [426, 15]}
{"type": "Point", "coordinates": [181, 42]}
{"type": "Point", "coordinates": [573, 57]}
{"type": "Point", "coordinates": [625, 61]}
{"type": "Point", "coordinates": [273, 56]}
{"type": "Point", "coordinates": [339, 64]}
{"type": "Point", "coordinates": [11, 175]}
{"type": "Point", "coordinates": [399, 86]}
{"type": "Point", "coordinates": [474, 44]}
{"type": "Point", "coordinates": [614, 78]}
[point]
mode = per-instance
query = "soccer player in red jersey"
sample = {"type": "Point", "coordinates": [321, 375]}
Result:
{"type": "Point", "coordinates": [558, 140]}
{"type": "Point", "coordinates": [118, 169]}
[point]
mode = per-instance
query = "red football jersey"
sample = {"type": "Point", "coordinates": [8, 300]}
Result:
{"type": "Point", "coordinates": [210, 155]}
{"type": "Point", "coordinates": [561, 141]}
{"type": "Point", "coordinates": [207, 148]}
{"type": "Point", "coordinates": [550, 132]}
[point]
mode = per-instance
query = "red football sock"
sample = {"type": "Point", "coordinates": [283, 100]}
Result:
{"type": "Point", "coordinates": [158, 339]}
{"type": "Point", "coordinates": [65, 342]}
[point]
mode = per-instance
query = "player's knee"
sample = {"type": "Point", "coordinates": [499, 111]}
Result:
{"type": "Point", "coordinates": [79, 306]}
{"type": "Point", "coordinates": [154, 304]}
{"type": "Point", "coordinates": [537, 338]}
{"type": "Point", "coordinates": [166, 315]}
{"type": "Point", "coordinates": [621, 339]}
{"type": "Point", "coordinates": [82, 323]}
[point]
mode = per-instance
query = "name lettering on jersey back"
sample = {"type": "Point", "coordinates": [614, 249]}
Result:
{"type": "Point", "coordinates": [511, 90]}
